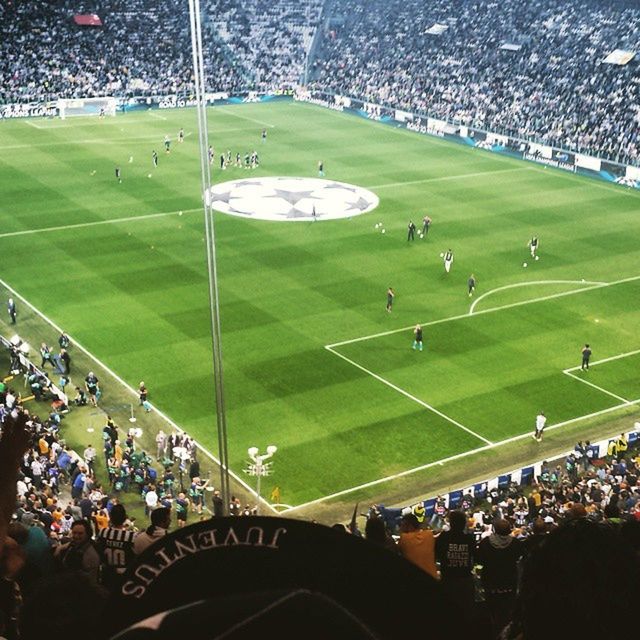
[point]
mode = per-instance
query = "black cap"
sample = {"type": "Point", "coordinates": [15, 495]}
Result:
{"type": "Point", "coordinates": [287, 578]}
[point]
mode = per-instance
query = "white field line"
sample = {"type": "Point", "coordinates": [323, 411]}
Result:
{"type": "Point", "coordinates": [33, 124]}
{"type": "Point", "coordinates": [625, 402]}
{"type": "Point", "coordinates": [156, 116]}
{"type": "Point", "coordinates": [236, 115]}
{"type": "Point", "coordinates": [611, 359]}
{"type": "Point", "coordinates": [129, 388]}
{"type": "Point", "coordinates": [462, 176]}
{"type": "Point", "coordinates": [595, 386]}
{"type": "Point", "coordinates": [608, 186]}
{"type": "Point", "coordinates": [483, 311]}
{"type": "Point", "coordinates": [411, 397]}
{"type": "Point", "coordinates": [600, 184]}
{"type": "Point", "coordinates": [465, 454]}
{"type": "Point", "coordinates": [96, 141]}
{"type": "Point", "coordinates": [94, 223]}
{"type": "Point", "coordinates": [57, 124]}
{"type": "Point", "coordinates": [527, 284]}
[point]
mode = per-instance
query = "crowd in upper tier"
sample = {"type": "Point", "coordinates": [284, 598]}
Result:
{"type": "Point", "coordinates": [526, 68]}
{"type": "Point", "coordinates": [554, 88]}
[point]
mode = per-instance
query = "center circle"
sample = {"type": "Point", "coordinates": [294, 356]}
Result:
{"type": "Point", "coordinates": [291, 199]}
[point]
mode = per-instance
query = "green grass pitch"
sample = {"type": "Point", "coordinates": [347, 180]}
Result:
{"type": "Point", "coordinates": [125, 275]}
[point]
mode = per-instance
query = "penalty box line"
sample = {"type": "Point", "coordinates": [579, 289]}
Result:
{"type": "Point", "coordinates": [410, 396]}
{"type": "Point", "coordinates": [569, 372]}
{"type": "Point", "coordinates": [458, 456]}
{"type": "Point", "coordinates": [511, 305]}
{"type": "Point", "coordinates": [129, 388]}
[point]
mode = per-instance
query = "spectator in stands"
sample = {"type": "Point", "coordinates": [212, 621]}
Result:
{"type": "Point", "coordinates": [499, 554]}
{"type": "Point", "coordinates": [417, 545]}
{"type": "Point", "coordinates": [79, 554]}
{"type": "Point", "coordinates": [455, 551]}
{"type": "Point", "coordinates": [12, 561]}
{"type": "Point", "coordinates": [160, 523]}
{"type": "Point", "coordinates": [375, 531]}
{"type": "Point", "coordinates": [115, 546]}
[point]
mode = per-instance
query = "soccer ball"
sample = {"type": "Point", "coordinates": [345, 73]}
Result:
{"type": "Point", "coordinates": [524, 264]}
{"type": "Point", "coordinates": [442, 255]}
{"type": "Point", "coordinates": [179, 213]}
{"type": "Point", "coordinates": [421, 235]}
{"type": "Point", "coordinates": [149, 176]}
{"type": "Point", "coordinates": [130, 159]}
{"type": "Point", "coordinates": [537, 257]}
{"type": "Point", "coordinates": [377, 225]}
{"type": "Point", "coordinates": [383, 231]}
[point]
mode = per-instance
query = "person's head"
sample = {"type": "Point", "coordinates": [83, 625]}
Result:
{"type": "Point", "coordinates": [409, 523]}
{"type": "Point", "coordinates": [118, 515]}
{"type": "Point", "coordinates": [612, 511]}
{"type": "Point", "coordinates": [18, 532]}
{"type": "Point", "coordinates": [161, 517]}
{"type": "Point", "coordinates": [12, 559]}
{"type": "Point", "coordinates": [457, 521]}
{"type": "Point", "coordinates": [502, 527]}
{"type": "Point", "coordinates": [539, 527]}
{"type": "Point", "coordinates": [375, 530]}
{"type": "Point", "coordinates": [577, 510]}
{"type": "Point", "coordinates": [586, 346]}
{"type": "Point", "coordinates": [80, 532]}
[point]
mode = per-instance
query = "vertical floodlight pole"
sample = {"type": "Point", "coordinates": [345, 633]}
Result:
{"type": "Point", "coordinates": [201, 100]}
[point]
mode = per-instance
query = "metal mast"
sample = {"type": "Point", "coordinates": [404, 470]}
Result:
{"type": "Point", "coordinates": [198, 72]}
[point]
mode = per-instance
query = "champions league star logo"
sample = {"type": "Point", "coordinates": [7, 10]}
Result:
{"type": "Point", "coordinates": [291, 199]}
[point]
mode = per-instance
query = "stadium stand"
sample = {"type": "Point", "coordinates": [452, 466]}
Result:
{"type": "Point", "coordinates": [553, 88]}
{"type": "Point", "coordinates": [143, 48]}
{"type": "Point", "coordinates": [532, 70]}
{"type": "Point", "coordinates": [269, 39]}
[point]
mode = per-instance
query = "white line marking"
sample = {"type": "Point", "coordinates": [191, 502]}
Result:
{"type": "Point", "coordinates": [408, 395]}
{"type": "Point", "coordinates": [33, 124]}
{"type": "Point", "coordinates": [523, 436]}
{"type": "Point", "coordinates": [477, 174]}
{"type": "Point", "coordinates": [587, 180]}
{"type": "Point", "coordinates": [57, 124]}
{"type": "Point", "coordinates": [626, 403]}
{"type": "Point", "coordinates": [483, 311]}
{"type": "Point", "coordinates": [597, 362]}
{"type": "Point", "coordinates": [498, 157]}
{"type": "Point", "coordinates": [133, 391]}
{"type": "Point", "coordinates": [156, 116]}
{"type": "Point", "coordinates": [224, 110]}
{"type": "Point", "coordinates": [595, 386]}
{"type": "Point", "coordinates": [527, 284]}
{"type": "Point", "coordinates": [95, 223]}
{"type": "Point", "coordinates": [96, 141]}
